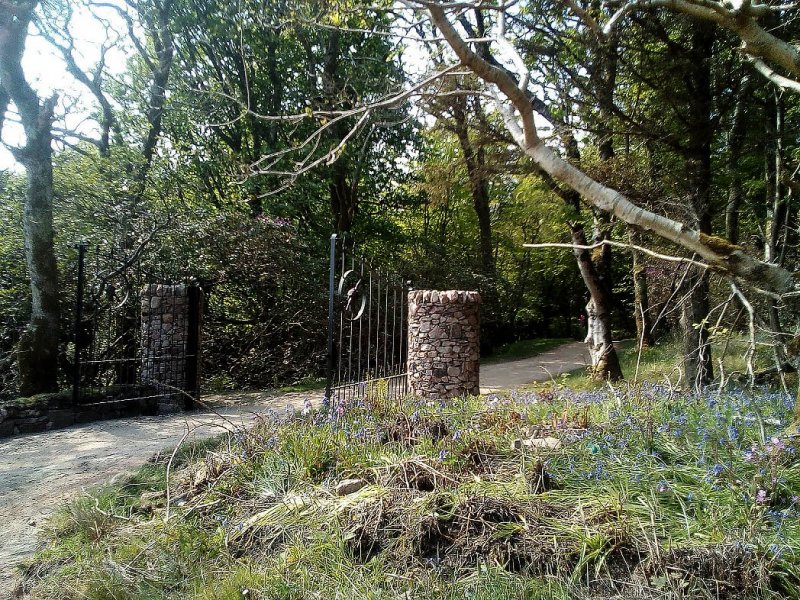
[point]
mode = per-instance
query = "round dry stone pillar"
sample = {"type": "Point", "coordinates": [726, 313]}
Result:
{"type": "Point", "coordinates": [170, 343]}
{"type": "Point", "coordinates": [443, 343]}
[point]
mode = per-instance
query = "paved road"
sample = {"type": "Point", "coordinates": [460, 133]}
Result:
{"type": "Point", "coordinates": [40, 471]}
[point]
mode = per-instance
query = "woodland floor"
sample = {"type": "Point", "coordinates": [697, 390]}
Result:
{"type": "Point", "coordinates": [38, 472]}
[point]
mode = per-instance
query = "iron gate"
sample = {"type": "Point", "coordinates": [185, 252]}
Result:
{"type": "Point", "coordinates": [367, 314]}
{"type": "Point", "coordinates": [109, 357]}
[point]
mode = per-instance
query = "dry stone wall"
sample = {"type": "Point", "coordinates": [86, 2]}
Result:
{"type": "Point", "coordinates": [443, 343]}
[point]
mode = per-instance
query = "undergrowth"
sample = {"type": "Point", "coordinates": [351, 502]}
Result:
{"type": "Point", "coordinates": [637, 492]}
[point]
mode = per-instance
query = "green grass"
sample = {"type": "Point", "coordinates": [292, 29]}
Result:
{"type": "Point", "coordinates": [309, 384]}
{"type": "Point", "coordinates": [648, 492]}
{"type": "Point", "coordinates": [524, 349]}
{"type": "Point", "coordinates": [663, 363]}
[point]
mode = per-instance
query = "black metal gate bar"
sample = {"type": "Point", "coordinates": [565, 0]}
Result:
{"type": "Point", "coordinates": [331, 284]}
{"type": "Point", "coordinates": [76, 375]}
{"type": "Point", "coordinates": [364, 357]}
{"type": "Point", "coordinates": [108, 344]}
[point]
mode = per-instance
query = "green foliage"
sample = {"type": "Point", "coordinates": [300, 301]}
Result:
{"type": "Point", "coordinates": [252, 99]}
{"type": "Point", "coordinates": [533, 292]}
{"type": "Point", "coordinates": [14, 290]}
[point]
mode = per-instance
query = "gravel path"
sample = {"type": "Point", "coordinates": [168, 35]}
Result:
{"type": "Point", "coordinates": [542, 367]}
{"type": "Point", "coordinates": [40, 471]}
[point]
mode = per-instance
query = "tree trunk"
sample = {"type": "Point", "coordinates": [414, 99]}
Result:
{"type": "Point", "coordinates": [641, 309]}
{"type": "Point", "coordinates": [343, 189]}
{"type": "Point", "coordinates": [777, 212]}
{"type": "Point", "coordinates": [605, 362]}
{"type": "Point", "coordinates": [344, 200]}
{"type": "Point", "coordinates": [38, 346]}
{"type": "Point", "coordinates": [698, 365]}
{"type": "Point", "coordinates": [735, 148]}
{"type": "Point", "coordinates": [601, 346]}
{"type": "Point", "coordinates": [475, 162]}
{"type": "Point", "coordinates": [698, 368]}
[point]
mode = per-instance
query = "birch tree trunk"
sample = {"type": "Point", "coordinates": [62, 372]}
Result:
{"type": "Point", "coordinates": [777, 212]}
{"type": "Point", "coordinates": [605, 362]}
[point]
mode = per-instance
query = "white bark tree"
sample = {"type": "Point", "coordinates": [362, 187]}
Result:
{"type": "Point", "coordinates": [518, 105]}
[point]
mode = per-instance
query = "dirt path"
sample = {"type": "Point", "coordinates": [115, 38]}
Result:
{"type": "Point", "coordinates": [542, 367]}
{"type": "Point", "coordinates": [40, 471]}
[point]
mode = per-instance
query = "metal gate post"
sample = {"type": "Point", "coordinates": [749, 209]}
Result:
{"type": "Point", "coordinates": [192, 355]}
{"type": "Point", "coordinates": [76, 376]}
{"type": "Point", "coordinates": [331, 292]}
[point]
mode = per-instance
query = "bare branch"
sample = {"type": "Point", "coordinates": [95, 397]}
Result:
{"type": "Point", "coordinates": [751, 345]}
{"type": "Point", "coordinates": [129, 22]}
{"type": "Point", "coordinates": [264, 166]}
{"type": "Point", "coordinates": [58, 35]}
{"type": "Point", "coordinates": [782, 82]}
{"type": "Point", "coordinates": [648, 251]}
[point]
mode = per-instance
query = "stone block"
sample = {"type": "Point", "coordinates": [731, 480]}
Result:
{"type": "Point", "coordinates": [61, 418]}
{"type": "Point", "coordinates": [6, 428]}
{"type": "Point", "coordinates": [31, 425]}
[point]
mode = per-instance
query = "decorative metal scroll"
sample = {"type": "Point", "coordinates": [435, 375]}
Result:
{"type": "Point", "coordinates": [367, 328]}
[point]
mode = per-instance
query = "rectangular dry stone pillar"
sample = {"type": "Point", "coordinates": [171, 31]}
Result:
{"type": "Point", "coordinates": [171, 343]}
{"type": "Point", "coordinates": [444, 343]}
